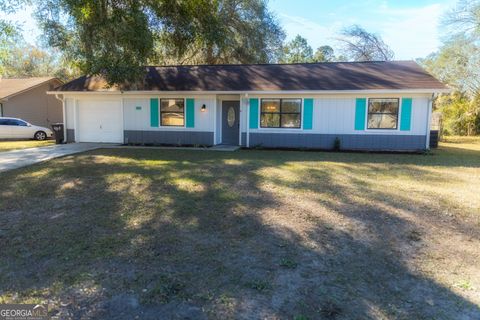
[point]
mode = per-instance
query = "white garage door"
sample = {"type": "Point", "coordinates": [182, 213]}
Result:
{"type": "Point", "coordinates": [100, 121]}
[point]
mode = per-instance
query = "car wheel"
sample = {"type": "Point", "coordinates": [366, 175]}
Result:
{"type": "Point", "coordinates": [40, 135]}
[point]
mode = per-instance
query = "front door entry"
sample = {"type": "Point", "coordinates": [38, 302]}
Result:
{"type": "Point", "coordinates": [230, 122]}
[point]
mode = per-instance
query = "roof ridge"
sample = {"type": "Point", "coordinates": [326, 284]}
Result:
{"type": "Point", "coordinates": [276, 64]}
{"type": "Point", "coordinates": [28, 78]}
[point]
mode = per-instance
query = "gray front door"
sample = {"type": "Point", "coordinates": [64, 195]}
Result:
{"type": "Point", "coordinates": [230, 122]}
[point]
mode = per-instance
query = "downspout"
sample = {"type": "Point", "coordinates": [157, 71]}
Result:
{"type": "Point", "coordinates": [247, 103]}
{"type": "Point", "coordinates": [215, 125]}
{"type": "Point", "coordinates": [64, 117]}
{"type": "Point", "coordinates": [122, 96]}
{"type": "Point", "coordinates": [429, 121]}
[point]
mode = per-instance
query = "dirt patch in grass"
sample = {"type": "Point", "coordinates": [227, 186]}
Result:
{"type": "Point", "coordinates": [175, 234]}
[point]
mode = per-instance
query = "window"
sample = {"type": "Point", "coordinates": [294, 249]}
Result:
{"type": "Point", "coordinates": [172, 112]}
{"type": "Point", "coordinates": [231, 117]}
{"type": "Point", "coordinates": [382, 113]}
{"type": "Point", "coordinates": [15, 122]}
{"type": "Point", "coordinates": [281, 113]}
{"type": "Point", "coordinates": [12, 122]}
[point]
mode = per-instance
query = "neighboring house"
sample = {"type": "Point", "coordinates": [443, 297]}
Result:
{"type": "Point", "coordinates": [27, 99]}
{"type": "Point", "coordinates": [366, 105]}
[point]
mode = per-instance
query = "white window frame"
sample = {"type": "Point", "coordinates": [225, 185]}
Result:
{"type": "Point", "coordinates": [383, 130]}
{"type": "Point", "coordinates": [160, 112]}
{"type": "Point", "coordinates": [281, 129]}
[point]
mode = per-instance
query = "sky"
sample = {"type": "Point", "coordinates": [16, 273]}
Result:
{"type": "Point", "coordinates": [410, 27]}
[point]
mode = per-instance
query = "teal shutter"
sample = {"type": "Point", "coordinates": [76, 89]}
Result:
{"type": "Point", "coordinates": [253, 113]}
{"type": "Point", "coordinates": [190, 113]}
{"type": "Point", "coordinates": [360, 111]}
{"type": "Point", "coordinates": [406, 114]}
{"type": "Point", "coordinates": [154, 112]}
{"type": "Point", "coordinates": [307, 114]}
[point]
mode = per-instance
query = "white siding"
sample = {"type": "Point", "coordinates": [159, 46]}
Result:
{"type": "Point", "coordinates": [140, 119]}
{"type": "Point", "coordinates": [218, 136]}
{"type": "Point", "coordinates": [419, 116]}
{"type": "Point", "coordinates": [243, 115]}
{"type": "Point", "coordinates": [336, 115]}
{"type": "Point", "coordinates": [333, 114]}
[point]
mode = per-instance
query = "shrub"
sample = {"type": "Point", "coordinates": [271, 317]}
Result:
{"type": "Point", "coordinates": [337, 144]}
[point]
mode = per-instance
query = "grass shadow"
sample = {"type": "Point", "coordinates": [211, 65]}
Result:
{"type": "Point", "coordinates": [175, 234]}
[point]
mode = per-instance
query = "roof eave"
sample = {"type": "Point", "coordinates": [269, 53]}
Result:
{"type": "Point", "coordinates": [371, 91]}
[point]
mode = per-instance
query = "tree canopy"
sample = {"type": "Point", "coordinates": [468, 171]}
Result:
{"type": "Point", "coordinates": [116, 38]}
{"type": "Point", "coordinates": [464, 20]}
{"type": "Point", "coordinates": [324, 54]}
{"type": "Point", "coordinates": [457, 63]}
{"type": "Point", "coordinates": [297, 51]}
{"type": "Point", "coordinates": [9, 32]}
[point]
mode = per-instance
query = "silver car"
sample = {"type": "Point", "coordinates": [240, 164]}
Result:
{"type": "Point", "coordinates": [13, 128]}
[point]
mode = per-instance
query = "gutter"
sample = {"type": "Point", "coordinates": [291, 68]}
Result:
{"type": "Point", "coordinates": [256, 92]}
{"type": "Point", "coordinates": [247, 103]}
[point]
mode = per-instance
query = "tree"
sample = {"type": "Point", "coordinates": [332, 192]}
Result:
{"type": "Point", "coordinates": [457, 63]}
{"type": "Point", "coordinates": [233, 32]}
{"type": "Point", "coordinates": [116, 38]}
{"type": "Point", "coordinates": [25, 60]}
{"type": "Point", "coordinates": [460, 114]}
{"type": "Point", "coordinates": [464, 19]}
{"type": "Point", "coordinates": [9, 32]}
{"type": "Point", "coordinates": [361, 45]}
{"type": "Point", "coordinates": [8, 35]}
{"type": "Point", "coordinates": [19, 59]}
{"type": "Point", "coordinates": [101, 37]}
{"type": "Point", "coordinates": [324, 54]}
{"type": "Point", "coordinates": [297, 51]}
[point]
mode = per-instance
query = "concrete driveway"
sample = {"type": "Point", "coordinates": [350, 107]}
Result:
{"type": "Point", "coordinates": [21, 158]}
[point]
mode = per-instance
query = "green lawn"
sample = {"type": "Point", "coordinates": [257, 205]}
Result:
{"type": "Point", "coordinates": [171, 234]}
{"type": "Point", "coordinates": [24, 144]}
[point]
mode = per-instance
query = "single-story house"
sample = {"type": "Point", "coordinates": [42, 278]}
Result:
{"type": "Point", "coordinates": [27, 99]}
{"type": "Point", "coordinates": [366, 105]}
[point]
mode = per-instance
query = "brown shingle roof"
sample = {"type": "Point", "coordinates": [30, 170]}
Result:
{"type": "Point", "coordinates": [275, 77]}
{"type": "Point", "coordinates": [10, 87]}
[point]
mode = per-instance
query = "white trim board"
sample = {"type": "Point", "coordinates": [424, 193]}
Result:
{"type": "Point", "coordinates": [302, 92]}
